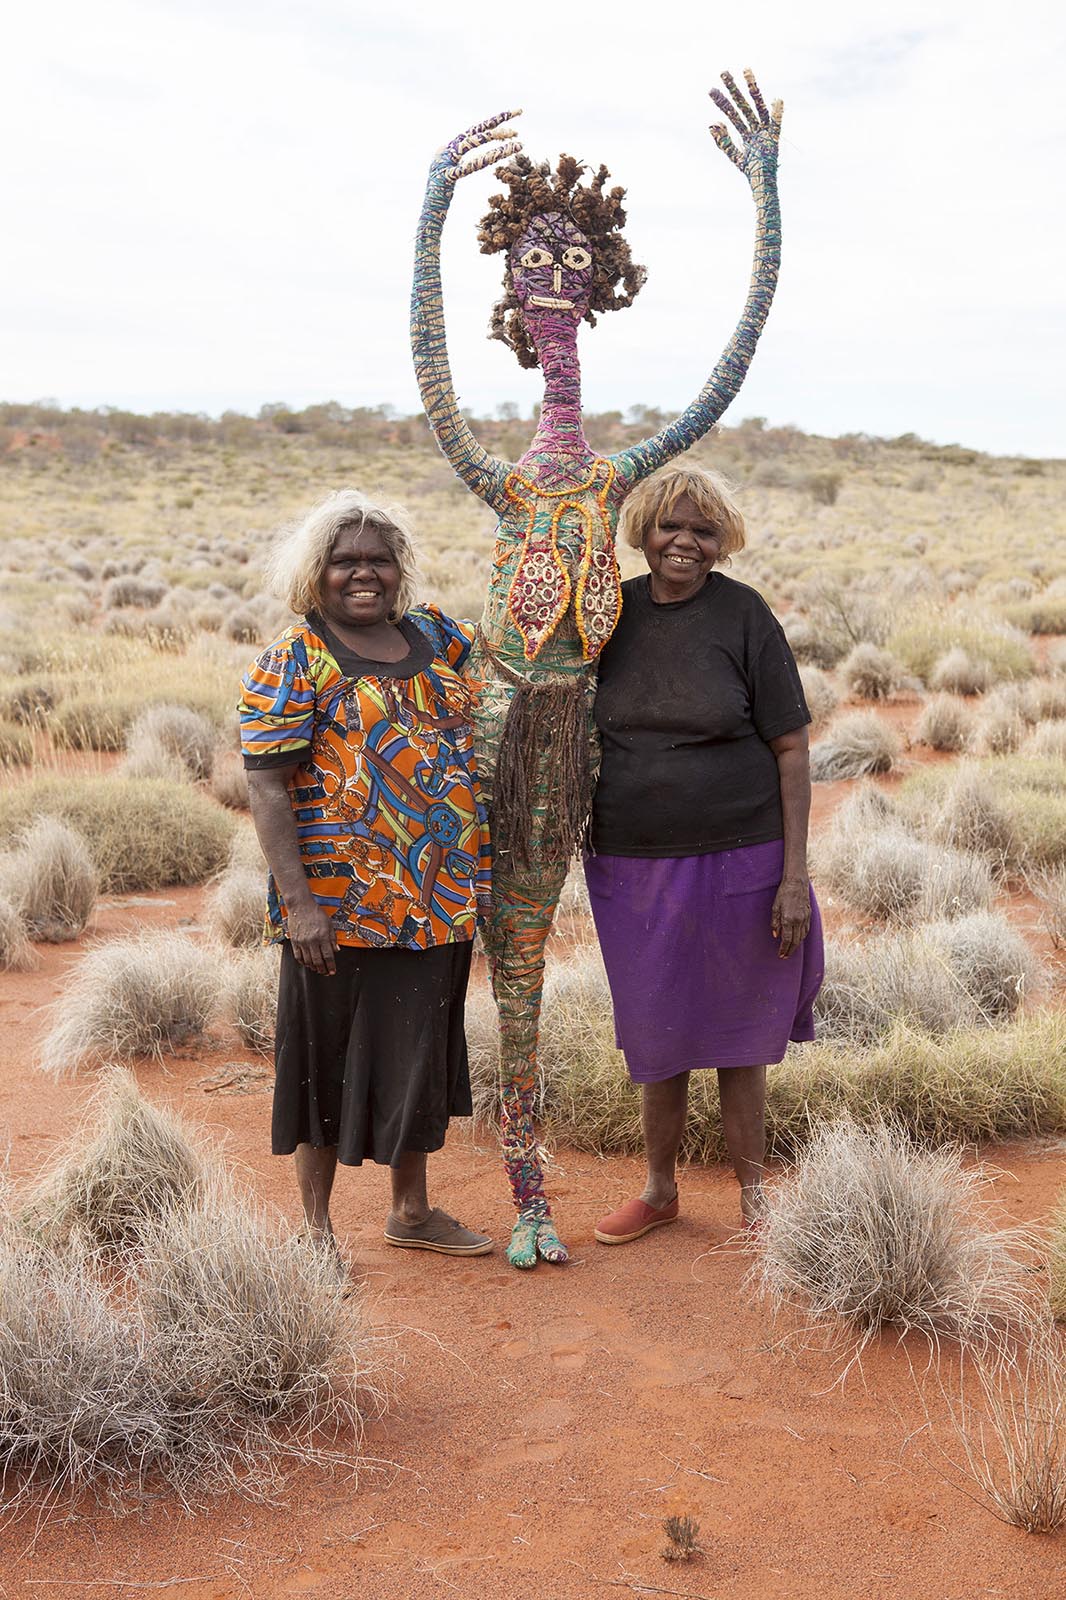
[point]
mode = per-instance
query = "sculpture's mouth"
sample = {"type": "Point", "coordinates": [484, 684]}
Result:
{"type": "Point", "coordinates": [550, 303]}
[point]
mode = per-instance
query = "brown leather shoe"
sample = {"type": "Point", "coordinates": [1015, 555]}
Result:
{"type": "Point", "coordinates": [633, 1221]}
{"type": "Point", "coordinates": [439, 1232]}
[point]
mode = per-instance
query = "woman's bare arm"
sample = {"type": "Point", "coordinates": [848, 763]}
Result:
{"type": "Point", "coordinates": [791, 916]}
{"type": "Point", "coordinates": [309, 928]}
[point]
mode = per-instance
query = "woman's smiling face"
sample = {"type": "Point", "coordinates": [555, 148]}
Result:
{"type": "Point", "coordinates": [361, 580]}
{"type": "Point", "coordinates": [680, 549]}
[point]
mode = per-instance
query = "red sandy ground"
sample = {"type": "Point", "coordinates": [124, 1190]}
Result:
{"type": "Point", "coordinates": [544, 1424]}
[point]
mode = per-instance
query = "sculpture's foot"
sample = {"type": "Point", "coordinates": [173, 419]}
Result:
{"type": "Point", "coordinates": [532, 1237]}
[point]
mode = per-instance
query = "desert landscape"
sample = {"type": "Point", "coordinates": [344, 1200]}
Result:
{"type": "Point", "coordinates": [869, 1399]}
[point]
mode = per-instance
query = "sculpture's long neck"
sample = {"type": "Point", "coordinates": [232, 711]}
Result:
{"type": "Point", "coordinates": [559, 434]}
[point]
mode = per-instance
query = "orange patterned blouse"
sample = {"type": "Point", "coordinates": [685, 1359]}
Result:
{"type": "Point", "coordinates": [392, 830]}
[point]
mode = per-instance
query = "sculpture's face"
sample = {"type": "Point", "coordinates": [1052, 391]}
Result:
{"type": "Point", "coordinates": [551, 265]}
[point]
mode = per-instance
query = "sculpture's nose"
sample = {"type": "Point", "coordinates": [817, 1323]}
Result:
{"type": "Point", "coordinates": [557, 277]}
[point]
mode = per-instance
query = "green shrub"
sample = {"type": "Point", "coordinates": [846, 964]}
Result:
{"type": "Point", "coordinates": [1043, 614]}
{"type": "Point", "coordinates": [920, 642]}
{"type": "Point", "coordinates": [142, 833]}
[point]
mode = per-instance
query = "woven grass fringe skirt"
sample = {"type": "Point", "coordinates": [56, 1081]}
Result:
{"type": "Point", "coordinates": [695, 976]}
{"type": "Point", "coordinates": [372, 1060]}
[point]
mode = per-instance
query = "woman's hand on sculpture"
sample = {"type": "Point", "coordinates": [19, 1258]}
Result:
{"type": "Point", "coordinates": [759, 129]}
{"type": "Point", "coordinates": [480, 146]}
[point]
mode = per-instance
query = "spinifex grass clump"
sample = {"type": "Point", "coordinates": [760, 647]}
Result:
{"type": "Point", "coordinates": [946, 723]}
{"type": "Point", "coordinates": [875, 1230]}
{"type": "Point", "coordinates": [869, 856]}
{"type": "Point", "coordinates": [253, 1342]}
{"type": "Point", "coordinates": [855, 745]}
{"type": "Point", "coordinates": [129, 1165]}
{"type": "Point", "coordinates": [144, 834]}
{"type": "Point", "coordinates": [938, 977]}
{"type": "Point", "coordinates": [235, 908]}
{"type": "Point", "coordinates": [16, 952]}
{"type": "Point", "coordinates": [1009, 1416]}
{"type": "Point", "coordinates": [180, 732]}
{"type": "Point", "coordinates": [251, 996]}
{"type": "Point", "coordinates": [78, 1405]}
{"type": "Point", "coordinates": [160, 1329]}
{"type": "Point", "coordinates": [51, 876]}
{"type": "Point", "coordinates": [132, 997]}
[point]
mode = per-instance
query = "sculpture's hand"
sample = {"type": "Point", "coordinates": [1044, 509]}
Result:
{"type": "Point", "coordinates": [480, 146]}
{"type": "Point", "coordinates": [759, 129]}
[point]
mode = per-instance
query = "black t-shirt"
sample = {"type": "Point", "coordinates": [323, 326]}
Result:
{"type": "Point", "coordinates": [689, 693]}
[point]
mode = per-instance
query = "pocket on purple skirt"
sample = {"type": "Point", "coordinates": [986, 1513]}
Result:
{"type": "Point", "coordinates": [753, 869]}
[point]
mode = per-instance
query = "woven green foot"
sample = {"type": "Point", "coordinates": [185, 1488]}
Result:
{"type": "Point", "coordinates": [532, 1237]}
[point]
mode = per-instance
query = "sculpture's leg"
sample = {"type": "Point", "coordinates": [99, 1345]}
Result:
{"type": "Point", "coordinates": [523, 905]}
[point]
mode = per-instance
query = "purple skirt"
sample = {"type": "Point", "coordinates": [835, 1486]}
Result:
{"type": "Point", "coordinates": [695, 976]}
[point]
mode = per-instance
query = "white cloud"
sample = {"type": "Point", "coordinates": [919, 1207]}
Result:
{"type": "Point", "coordinates": [214, 205]}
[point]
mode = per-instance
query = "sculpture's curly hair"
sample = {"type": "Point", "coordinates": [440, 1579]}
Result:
{"type": "Point", "coordinates": [533, 191]}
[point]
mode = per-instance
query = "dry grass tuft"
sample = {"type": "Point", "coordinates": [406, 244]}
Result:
{"type": "Point", "coordinates": [148, 757]}
{"type": "Point", "coordinates": [870, 673]}
{"type": "Point", "coordinates": [819, 693]}
{"type": "Point", "coordinates": [970, 817]}
{"type": "Point", "coordinates": [160, 1329]}
{"type": "Point", "coordinates": [938, 977]}
{"type": "Point", "coordinates": [143, 834]}
{"type": "Point", "coordinates": [251, 996]}
{"type": "Point", "coordinates": [16, 746]}
{"type": "Point", "coordinates": [1048, 738]}
{"type": "Point", "coordinates": [869, 859]}
{"type": "Point", "coordinates": [946, 723]}
{"type": "Point", "coordinates": [1012, 1431]}
{"type": "Point", "coordinates": [258, 1351]}
{"type": "Point", "coordinates": [132, 997]}
{"type": "Point", "coordinates": [879, 1232]}
{"type": "Point", "coordinates": [229, 781]}
{"type": "Point", "coordinates": [51, 877]}
{"type": "Point", "coordinates": [128, 1165]}
{"type": "Point", "coordinates": [959, 672]}
{"type": "Point", "coordinates": [16, 952]}
{"type": "Point", "coordinates": [235, 908]}
{"type": "Point", "coordinates": [1049, 887]}
{"type": "Point", "coordinates": [181, 732]}
{"type": "Point", "coordinates": [80, 1408]}
{"type": "Point", "coordinates": [853, 746]}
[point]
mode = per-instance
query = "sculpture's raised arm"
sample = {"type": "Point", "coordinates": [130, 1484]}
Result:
{"type": "Point", "coordinates": [760, 132]}
{"type": "Point", "coordinates": [481, 146]}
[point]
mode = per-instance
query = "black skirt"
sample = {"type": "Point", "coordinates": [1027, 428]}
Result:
{"type": "Point", "coordinates": [371, 1060]}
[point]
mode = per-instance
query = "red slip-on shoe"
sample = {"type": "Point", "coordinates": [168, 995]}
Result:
{"type": "Point", "coordinates": [633, 1221]}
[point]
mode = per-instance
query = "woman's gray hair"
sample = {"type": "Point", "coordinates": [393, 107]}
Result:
{"type": "Point", "coordinates": [301, 554]}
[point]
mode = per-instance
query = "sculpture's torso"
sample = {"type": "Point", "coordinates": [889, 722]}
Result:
{"type": "Point", "coordinates": [554, 593]}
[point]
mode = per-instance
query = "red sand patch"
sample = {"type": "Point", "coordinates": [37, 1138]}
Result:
{"type": "Point", "coordinates": [544, 1424]}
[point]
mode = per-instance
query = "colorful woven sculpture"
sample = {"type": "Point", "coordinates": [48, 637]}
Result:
{"type": "Point", "coordinates": [554, 594]}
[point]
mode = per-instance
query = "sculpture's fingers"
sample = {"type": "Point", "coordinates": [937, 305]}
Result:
{"type": "Point", "coordinates": [725, 104]}
{"type": "Point", "coordinates": [739, 101]}
{"type": "Point", "coordinates": [756, 95]}
{"type": "Point", "coordinates": [720, 135]}
{"type": "Point", "coordinates": [485, 158]}
{"type": "Point", "coordinates": [482, 131]}
{"type": "Point", "coordinates": [777, 111]}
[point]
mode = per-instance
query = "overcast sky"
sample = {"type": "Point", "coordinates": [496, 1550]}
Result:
{"type": "Point", "coordinates": [211, 203]}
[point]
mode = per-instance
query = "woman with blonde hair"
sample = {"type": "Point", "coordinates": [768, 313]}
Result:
{"type": "Point", "coordinates": [697, 870]}
{"type": "Point", "coordinates": [356, 733]}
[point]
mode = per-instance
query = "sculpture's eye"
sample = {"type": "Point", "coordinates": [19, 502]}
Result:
{"type": "Point", "coordinates": [576, 258]}
{"type": "Point", "coordinates": [537, 258]}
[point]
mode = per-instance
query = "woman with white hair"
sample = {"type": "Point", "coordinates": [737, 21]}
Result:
{"type": "Point", "coordinates": [356, 734]}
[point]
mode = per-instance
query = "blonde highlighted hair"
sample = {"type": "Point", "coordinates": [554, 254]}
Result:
{"type": "Point", "coordinates": [654, 499]}
{"type": "Point", "coordinates": [299, 558]}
